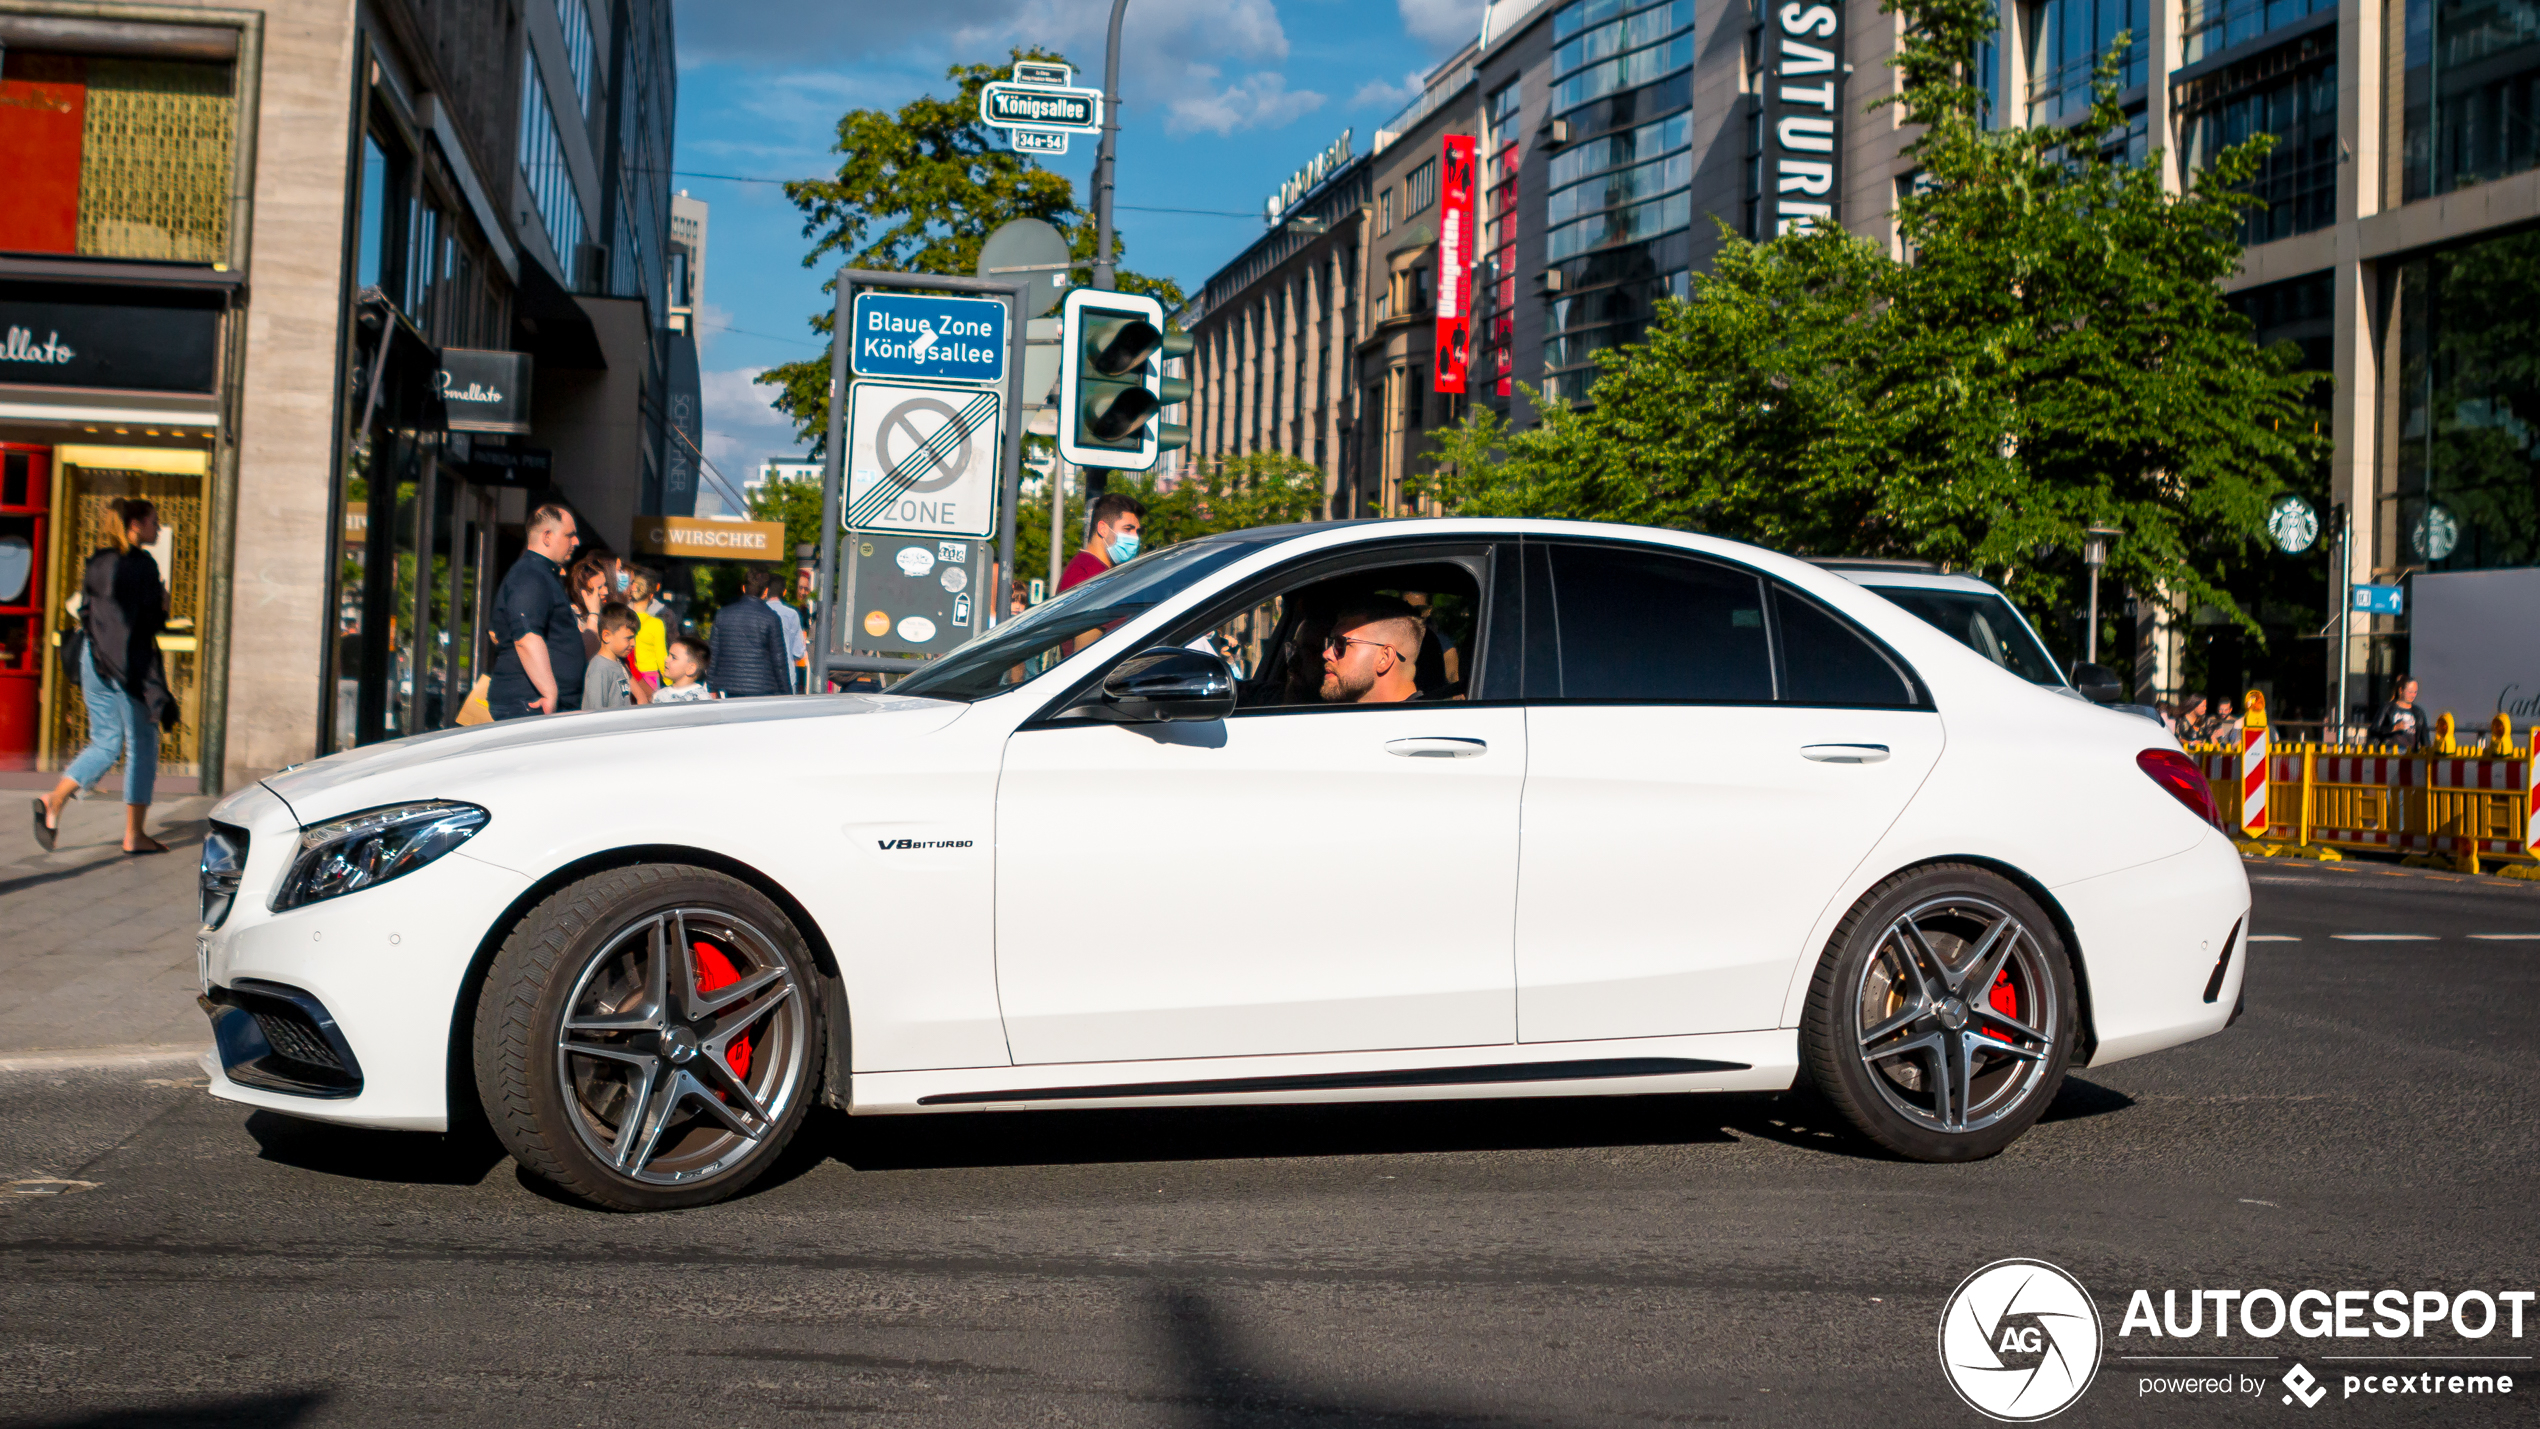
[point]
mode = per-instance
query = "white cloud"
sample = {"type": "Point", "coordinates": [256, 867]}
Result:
{"type": "Point", "coordinates": [742, 429]}
{"type": "Point", "coordinates": [1377, 94]}
{"type": "Point", "coordinates": [1257, 101]}
{"type": "Point", "coordinates": [1442, 25]}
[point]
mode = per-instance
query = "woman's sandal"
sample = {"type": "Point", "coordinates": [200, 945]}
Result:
{"type": "Point", "coordinates": [152, 846]}
{"type": "Point", "coordinates": [45, 832]}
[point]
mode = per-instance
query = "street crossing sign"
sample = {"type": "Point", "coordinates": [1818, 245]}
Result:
{"type": "Point", "coordinates": [1004, 104]}
{"type": "Point", "coordinates": [922, 459]}
{"type": "Point", "coordinates": [928, 337]}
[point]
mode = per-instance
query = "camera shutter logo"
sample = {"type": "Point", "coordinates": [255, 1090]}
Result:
{"type": "Point", "coordinates": [2019, 1341]}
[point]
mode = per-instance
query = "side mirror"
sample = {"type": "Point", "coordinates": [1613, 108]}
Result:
{"type": "Point", "coordinates": [2098, 684]}
{"type": "Point", "coordinates": [1169, 682]}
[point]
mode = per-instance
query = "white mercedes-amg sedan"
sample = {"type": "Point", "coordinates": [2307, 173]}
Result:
{"type": "Point", "coordinates": [1365, 811]}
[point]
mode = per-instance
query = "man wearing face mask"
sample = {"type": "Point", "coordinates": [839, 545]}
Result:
{"type": "Point", "coordinates": [1114, 539]}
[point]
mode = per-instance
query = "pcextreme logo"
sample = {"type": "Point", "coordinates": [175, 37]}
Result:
{"type": "Point", "coordinates": [2019, 1341]}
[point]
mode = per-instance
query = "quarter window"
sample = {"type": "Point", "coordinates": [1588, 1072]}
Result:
{"type": "Point", "coordinates": [1826, 662]}
{"type": "Point", "coordinates": [1654, 627]}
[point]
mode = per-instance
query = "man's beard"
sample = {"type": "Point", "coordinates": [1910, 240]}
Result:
{"type": "Point", "coordinates": [1339, 689]}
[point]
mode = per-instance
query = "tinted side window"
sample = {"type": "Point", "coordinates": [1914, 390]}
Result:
{"type": "Point", "coordinates": [1652, 625]}
{"type": "Point", "coordinates": [1826, 662]}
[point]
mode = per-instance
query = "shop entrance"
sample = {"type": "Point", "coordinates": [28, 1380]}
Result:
{"type": "Point", "coordinates": [24, 516]}
{"type": "Point", "coordinates": [85, 479]}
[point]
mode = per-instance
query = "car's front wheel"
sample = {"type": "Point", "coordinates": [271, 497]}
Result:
{"type": "Point", "coordinates": [650, 1037]}
{"type": "Point", "coordinates": [1942, 1015]}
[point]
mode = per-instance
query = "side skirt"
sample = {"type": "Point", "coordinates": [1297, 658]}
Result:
{"type": "Point", "coordinates": [1503, 1074]}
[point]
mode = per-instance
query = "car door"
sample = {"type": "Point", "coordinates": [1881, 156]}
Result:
{"type": "Point", "coordinates": [1710, 754]}
{"type": "Point", "coordinates": [1290, 879]}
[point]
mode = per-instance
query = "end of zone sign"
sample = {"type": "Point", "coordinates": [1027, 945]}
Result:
{"type": "Point", "coordinates": [933, 338]}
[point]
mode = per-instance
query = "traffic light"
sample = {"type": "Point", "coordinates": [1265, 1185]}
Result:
{"type": "Point", "coordinates": [1111, 382]}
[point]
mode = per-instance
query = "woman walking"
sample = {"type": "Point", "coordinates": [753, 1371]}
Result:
{"type": "Point", "coordinates": [121, 679]}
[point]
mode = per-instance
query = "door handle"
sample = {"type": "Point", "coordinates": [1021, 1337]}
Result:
{"type": "Point", "coordinates": [1844, 753]}
{"type": "Point", "coordinates": [1436, 747]}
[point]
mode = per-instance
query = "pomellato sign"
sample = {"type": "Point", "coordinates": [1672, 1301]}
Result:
{"type": "Point", "coordinates": [484, 391]}
{"type": "Point", "coordinates": [132, 346]}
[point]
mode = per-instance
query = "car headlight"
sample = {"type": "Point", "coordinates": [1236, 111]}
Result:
{"type": "Point", "coordinates": [224, 859]}
{"type": "Point", "coordinates": [367, 849]}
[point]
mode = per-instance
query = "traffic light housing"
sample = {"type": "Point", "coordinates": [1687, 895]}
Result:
{"type": "Point", "coordinates": [1112, 390]}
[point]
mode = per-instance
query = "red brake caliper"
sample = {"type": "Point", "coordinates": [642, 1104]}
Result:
{"type": "Point", "coordinates": [2004, 999]}
{"type": "Point", "coordinates": [714, 970]}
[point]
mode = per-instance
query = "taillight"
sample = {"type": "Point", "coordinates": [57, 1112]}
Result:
{"type": "Point", "coordinates": [2185, 780]}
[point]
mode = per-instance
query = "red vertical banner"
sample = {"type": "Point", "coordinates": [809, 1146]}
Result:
{"type": "Point", "coordinates": [1455, 262]}
{"type": "Point", "coordinates": [43, 110]}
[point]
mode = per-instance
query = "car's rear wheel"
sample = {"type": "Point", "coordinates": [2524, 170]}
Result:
{"type": "Point", "coordinates": [649, 1037]}
{"type": "Point", "coordinates": [1942, 1015]}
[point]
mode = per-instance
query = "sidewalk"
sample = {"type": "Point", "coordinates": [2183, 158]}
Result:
{"type": "Point", "coordinates": [97, 946]}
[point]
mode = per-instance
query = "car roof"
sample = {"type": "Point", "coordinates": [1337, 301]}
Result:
{"type": "Point", "coordinates": [1917, 580]}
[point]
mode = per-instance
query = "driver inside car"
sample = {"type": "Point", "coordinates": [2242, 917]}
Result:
{"type": "Point", "coordinates": [1371, 655]}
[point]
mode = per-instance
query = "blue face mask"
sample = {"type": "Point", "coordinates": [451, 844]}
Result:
{"type": "Point", "coordinates": [1123, 547]}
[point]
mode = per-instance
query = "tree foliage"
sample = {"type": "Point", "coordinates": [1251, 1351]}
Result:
{"type": "Point", "coordinates": [2054, 353]}
{"type": "Point", "coordinates": [919, 191]}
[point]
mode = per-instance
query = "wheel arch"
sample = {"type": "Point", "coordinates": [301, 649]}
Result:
{"type": "Point", "coordinates": [463, 1096]}
{"type": "Point", "coordinates": [2085, 1019]}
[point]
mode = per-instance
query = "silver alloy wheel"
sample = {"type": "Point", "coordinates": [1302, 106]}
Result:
{"type": "Point", "coordinates": [1938, 1044]}
{"type": "Point", "coordinates": [670, 1085]}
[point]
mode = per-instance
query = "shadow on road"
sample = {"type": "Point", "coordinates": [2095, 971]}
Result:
{"type": "Point", "coordinates": [220, 1411]}
{"type": "Point", "coordinates": [412, 1158]}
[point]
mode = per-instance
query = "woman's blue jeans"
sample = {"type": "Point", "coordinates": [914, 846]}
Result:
{"type": "Point", "coordinates": [116, 722]}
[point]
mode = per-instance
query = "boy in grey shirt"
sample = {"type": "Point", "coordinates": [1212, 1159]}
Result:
{"type": "Point", "coordinates": [604, 682]}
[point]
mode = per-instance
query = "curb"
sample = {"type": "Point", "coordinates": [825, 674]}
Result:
{"type": "Point", "coordinates": [81, 1058]}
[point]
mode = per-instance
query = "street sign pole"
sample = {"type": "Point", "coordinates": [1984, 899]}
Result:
{"type": "Point", "coordinates": [830, 652]}
{"type": "Point", "coordinates": [1102, 158]}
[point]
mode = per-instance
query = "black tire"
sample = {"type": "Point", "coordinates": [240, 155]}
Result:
{"type": "Point", "coordinates": [696, 1007]}
{"type": "Point", "coordinates": [1915, 995]}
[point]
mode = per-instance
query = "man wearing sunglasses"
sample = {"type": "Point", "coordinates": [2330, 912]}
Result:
{"type": "Point", "coordinates": [1372, 654]}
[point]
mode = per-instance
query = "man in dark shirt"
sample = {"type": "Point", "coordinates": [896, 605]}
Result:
{"type": "Point", "coordinates": [750, 657]}
{"type": "Point", "coordinates": [540, 668]}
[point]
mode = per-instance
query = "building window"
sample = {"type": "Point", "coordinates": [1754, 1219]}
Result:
{"type": "Point", "coordinates": [2065, 39]}
{"type": "Point", "coordinates": [2212, 26]}
{"type": "Point", "coordinates": [2472, 93]}
{"type": "Point", "coordinates": [2469, 405]}
{"type": "Point", "coordinates": [575, 15]}
{"type": "Point", "coordinates": [1620, 53]}
{"type": "Point", "coordinates": [1384, 213]}
{"type": "Point", "coordinates": [1421, 189]}
{"type": "Point", "coordinates": [2298, 179]}
{"type": "Point", "coordinates": [116, 158]}
{"type": "Point", "coordinates": [550, 182]}
{"type": "Point", "coordinates": [1627, 72]}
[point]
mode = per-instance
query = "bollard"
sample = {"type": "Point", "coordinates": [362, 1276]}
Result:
{"type": "Point", "coordinates": [2253, 768]}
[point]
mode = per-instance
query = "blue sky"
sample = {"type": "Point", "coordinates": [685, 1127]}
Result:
{"type": "Point", "coordinates": [1222, 100]}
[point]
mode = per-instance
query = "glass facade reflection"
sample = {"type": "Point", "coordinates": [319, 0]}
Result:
{"type": "Point", "coordinates": [2472, 93]}
{"type": "Point", "coordinates": [2291, 93]}
{"type": "Point", "coordinates": [2468, 404]}
{"type": "Point", "coordinates": [2065, 40]}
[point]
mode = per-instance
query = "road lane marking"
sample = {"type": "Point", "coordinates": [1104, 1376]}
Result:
{"type": "Point", "coordinates": [85, 1057]}
{"type": "Point", "coordinates": [2384, 937]}
{"type": "Point", "coordinates": [2273, 938]}
{"type": "Point", "coordinates": [2506, 937]}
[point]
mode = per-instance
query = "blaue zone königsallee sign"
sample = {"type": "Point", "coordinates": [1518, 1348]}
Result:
{"type": "Point", "coordinates": [925, 336]}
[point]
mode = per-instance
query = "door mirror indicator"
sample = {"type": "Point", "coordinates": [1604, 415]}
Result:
{"type": "Point", "coordinates": [2098, 684]}
{"type": "Point", "coordinates": [1169, 683]}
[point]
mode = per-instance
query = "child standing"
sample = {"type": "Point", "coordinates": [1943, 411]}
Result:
{"type": "Point", "coordinates": [652, 637]}
{"type": "Point", "coordinates": [684, 666]}
{"type": "Point", "coordinates": [604, 684]}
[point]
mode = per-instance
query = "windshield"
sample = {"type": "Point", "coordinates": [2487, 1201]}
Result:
{"type": "Point", "coordinates": [1984, 623]}
{"type": "Point", "coordinates": [1055, 629]}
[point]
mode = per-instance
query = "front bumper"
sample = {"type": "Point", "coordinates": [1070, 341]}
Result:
{"type": "Point", "coordinates": [374, 976]}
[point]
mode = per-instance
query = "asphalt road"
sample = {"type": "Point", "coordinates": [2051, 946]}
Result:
{"type": "Point", "coordinates": [2369, 1124]}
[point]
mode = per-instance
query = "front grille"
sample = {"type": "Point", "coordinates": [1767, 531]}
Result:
{"type": "Point", "coordinates": [288, 1031]}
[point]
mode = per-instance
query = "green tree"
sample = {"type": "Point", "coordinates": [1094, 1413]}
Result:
{"type": "Point", "coordinates": [797, 504]}
{"type": "Point", "coordinates": [919, 191]}
{"type": "Point", "coordinates": [2054, 354]}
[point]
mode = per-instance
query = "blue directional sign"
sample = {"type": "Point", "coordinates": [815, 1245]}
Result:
{"type": "Point", "coordinates": [922, 335]}
{"type": "Point", "coordinates": [2380, 600]}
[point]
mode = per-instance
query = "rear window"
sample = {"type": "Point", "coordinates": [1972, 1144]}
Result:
{"type": "Point", "coordinates": [1983, 622]}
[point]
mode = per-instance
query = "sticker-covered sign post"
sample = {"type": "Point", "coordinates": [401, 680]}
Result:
{"type": "Point", "coordinates": [925, 461]}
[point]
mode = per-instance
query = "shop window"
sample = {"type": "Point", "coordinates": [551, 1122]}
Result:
{"type": "Point", "coordinates": [116, 158]}
{"type": "Point", "coordinates": [2472, 101]}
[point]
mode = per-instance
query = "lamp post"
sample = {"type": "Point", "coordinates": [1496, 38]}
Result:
{"type": "Point", "coordinates": [2094, 554]}
{"type": "Point", "coordinates": [1102, 154]}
